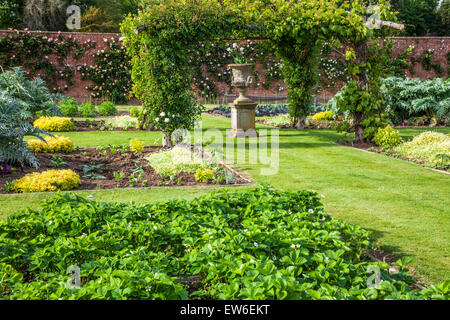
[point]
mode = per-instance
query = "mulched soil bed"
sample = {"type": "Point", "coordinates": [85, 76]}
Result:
{"type": "Point", "coordinates": [119, 162]}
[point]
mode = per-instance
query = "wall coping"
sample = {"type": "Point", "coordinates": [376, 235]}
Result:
{"type": "Point", "coordinates": [119, 34]}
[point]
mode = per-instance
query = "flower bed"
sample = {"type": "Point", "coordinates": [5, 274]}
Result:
{"type": "Point", "coordinates": [109, 167]}
{"type": "Point", "coordinates": [256, 244]}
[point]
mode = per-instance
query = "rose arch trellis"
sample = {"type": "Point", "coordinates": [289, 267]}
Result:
{"type": "Point", "coordinates": [159, 38]}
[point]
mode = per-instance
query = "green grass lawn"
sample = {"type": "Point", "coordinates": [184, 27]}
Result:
{"type": "Point", "coordinates": [407, 207]}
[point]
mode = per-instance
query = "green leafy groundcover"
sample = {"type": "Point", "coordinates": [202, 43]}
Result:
{"type": "Point", "coordinates": [257, 244]}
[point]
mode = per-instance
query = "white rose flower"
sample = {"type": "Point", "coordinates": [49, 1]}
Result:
{"type": "Point", "coordinates": [162, 114]}
{"type": "Point", "coordinates": [166, 120]}
{"type": "Point", "coordinates": [156, 119]}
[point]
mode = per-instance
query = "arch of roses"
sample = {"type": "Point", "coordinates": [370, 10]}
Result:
{"type": "Point", "coordinates": [160, 37]}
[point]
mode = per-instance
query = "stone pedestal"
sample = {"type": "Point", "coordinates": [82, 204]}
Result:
{"type": "Point", "coordinates": [243, 108]}
{"type": "Point", "coordinates": [243, 120]}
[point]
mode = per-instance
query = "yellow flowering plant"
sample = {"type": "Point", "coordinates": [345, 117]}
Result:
{"type": "Point", "coordinates": [54, 124]}
{"type": "Point", "coordinates": [50, 180]}
{"type": "Point", "coordinates": [51, 144]}
{"type": "Point", "coordinates": [137, 146]}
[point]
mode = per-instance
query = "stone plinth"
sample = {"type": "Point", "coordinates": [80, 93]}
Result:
{"type": "Point", "coordinates": [243, 120]}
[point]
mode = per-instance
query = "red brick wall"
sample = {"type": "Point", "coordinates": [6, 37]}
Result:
{"type": "Point", "coordinates": [441, 47]}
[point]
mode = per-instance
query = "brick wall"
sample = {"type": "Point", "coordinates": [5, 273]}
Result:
{"type": "Point", "coordinates": [441, 47]}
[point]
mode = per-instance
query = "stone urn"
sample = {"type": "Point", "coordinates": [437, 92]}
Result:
{"type": "Point", "coordinates": [243, 108]}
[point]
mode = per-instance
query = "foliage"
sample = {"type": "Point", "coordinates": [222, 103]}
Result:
{"type": "Point", "coordinates": [58, 161]}
{"type": "Point", "coordinates": [47, 15]}
{"type": "Point", "coordinates": [11, 12]}
{"type": "Point", "coordinates": [427, 63]}
{"type": "Point", "coordinates": [96, 20]}
{"type": "Point", "coordinates": [124, 122]}
{"type": "Point", "coordinates": [325, 115]}
{"type": "Point", "coordinates": [428, 148]}
{"type": "Point", "coordinates": [444, 16]}
{"type": "Point", "coordinates": [387, 137]}
{"type": "Point", "coordinates": [14, 126]}
{"type": "Point", "coordinates": [271, 109]}
{"type": "Point", "coordinates": [107, 108]}
{"type": "Point", "coordinates": [68, 107]}
{"type": "Point", "coordinates": [93, 171]}
{"type": "Point", "coordinates": [137, 146]}
{"type": "Point", "coordinates": [420, 17]}
{"type": "Point", "coordinates": [110, 74]}
{"type": "Point", "coordinates": [50, 180]}
{"type": "Point", "coordinates": [33, 96]}
{"type": "Point", "coordinates": [54, 124]}
{"type": "Point", "coordinates": [403, 99]}
{"type": "Point", "coordinates": [51, 145]}
{"type": "Point", "coordinates": [256, 244]}
{"type": "Point", "coordinates": [204, 175]}
{"type": "Point", "coordinates": [87, 110]}
{"type": "Point", "coordinates": [33, 51]}
{"type": "Point", "coordinates": [135, 112]}
{"type": "Point", "coordinates": [278, 121]}
{"type": "Point", "coordinates": [177, 160]}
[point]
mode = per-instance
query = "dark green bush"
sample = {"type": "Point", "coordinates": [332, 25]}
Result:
{"type": "Point", "coordinates": [256, 244]}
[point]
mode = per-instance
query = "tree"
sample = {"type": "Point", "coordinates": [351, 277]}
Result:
{"type": "Point", "coordinates": [11, 12]}
{"type": "Point", "coordinates": [444, 16]}
{"type": "Point", "coordinates": [97, 20]}
{"type": "Point", "coordinates": [419, 16]}
{"type": "Point", "coordinates": [48, 15]}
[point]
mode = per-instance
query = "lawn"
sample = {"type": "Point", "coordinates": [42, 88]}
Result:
{"type": "Point", "coordinates": [404, 205]}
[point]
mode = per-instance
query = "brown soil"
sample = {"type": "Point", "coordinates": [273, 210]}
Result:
{"type": "Point", "coordinates": [390, 259]}
{"type": "Point", "coordinates": [119, 162]}
{"type": "Point", "coordinates": [364, 145]}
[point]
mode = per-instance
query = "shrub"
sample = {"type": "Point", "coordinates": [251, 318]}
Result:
{"type": "Point", "coordinates": [51, 145]}
{"type": "Point", "coordinates": [14, 126]}
{"type": "Point", "coordinates": [87, 110]}
{"type": "Point", "coordinates": [177, 160]}
{"type": "Point", "coordinates": [430, 148]}
{"type": "Point", "coordinates": [135, 112]}
{"type": "Point", "coordinates": [271, 109]}
{"type": "Point", "coordinates": [124, 122]}
{"type": "Point", "coordinates": [387, 137]}
{"type": "Point", "coordinates": [405, 98]}
{"type": "Point", "coordinates": [107, 108]}
{"type": "Point", "coordinates": [253, 244]}
{"type": "Point", "coordinates": [50, 180]}
{"type": "Point", "coordinates": [137, 145]}
{"type": "Point", "coordinates": [204, 175]}
{"type": "Point", "coordinates": [68, 107]}
{"type": "Point", "coordinates": [54, 124]}
{"type": "Point", "coordinates": [325, 115]}
{"type": "Point", "coordinates": [33, 96]}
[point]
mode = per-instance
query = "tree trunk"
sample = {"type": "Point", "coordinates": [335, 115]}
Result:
{"type": "Point", "coordinates": [358, 117]}
{"type": "Point", "coordinates": [301, 122]}
{"type": "Point", "coordinates": [359, 134]}
{"type": "Point", "coordinates": [167, 140]}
